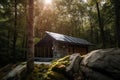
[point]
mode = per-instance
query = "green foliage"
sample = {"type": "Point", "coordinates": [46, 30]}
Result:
{"type": "Point", "coordinates": [36, 40]}
{"type": "Point", "coordinates": [7, 10]}
{"type": "Point", "coordinates": [79, 19]}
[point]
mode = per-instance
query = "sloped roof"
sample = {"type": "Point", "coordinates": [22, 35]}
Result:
{"type": "Point", "coordinates": [69, 39]}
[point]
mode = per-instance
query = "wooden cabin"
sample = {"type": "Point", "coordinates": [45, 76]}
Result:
{"type": "Point", "coordinates": [55, 45]}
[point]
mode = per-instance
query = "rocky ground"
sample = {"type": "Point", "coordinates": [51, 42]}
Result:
{"type": "Point", "coordinates": [102, 64]}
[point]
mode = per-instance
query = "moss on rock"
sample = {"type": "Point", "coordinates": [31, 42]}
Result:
{"type": "Point", "coordinates": [60, 65]}
{"type": "Point", "coordinates": [55, 71]}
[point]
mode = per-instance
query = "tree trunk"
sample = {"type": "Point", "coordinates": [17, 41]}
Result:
{"type": "Point", "coordinates": [30, 36]}
{"type": "Point", "coordinates": [117, 21]}
{"type": "Point", "coordinates": [8, 45]}
{"type": "Point", "coordinates": [91, 26]}
{"type": "Point", "coordinates": [24, 46]}
{"type": "Point", "coordinates": [15, 34]}
{"type": "Point", "coordinates": [96, 36]}
{"type": "Point", "coordinates": [100, 26]}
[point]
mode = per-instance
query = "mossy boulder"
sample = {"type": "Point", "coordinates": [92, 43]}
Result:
{"type": "Point", "coordinates": [38, 72]}
{"type": "Point", "coordinates": [57, 69]}
{"type": "Point", "coordinates": [60, 65]}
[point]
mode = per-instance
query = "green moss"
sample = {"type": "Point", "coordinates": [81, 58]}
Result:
{"type": "Point", "coordinates": [51, 75]}
{"type": "Point", "coordinates": [60, 65]}
{"type": "Point", "coordinates": [39, 71]}
{"type": "Point", "coordinates": [55, 71]}
{"type": "Point", "coordinates": [66, 58]}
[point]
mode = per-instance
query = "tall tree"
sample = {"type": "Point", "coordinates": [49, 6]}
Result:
{"type": "Point", "coordinates": [101, 27]}
{"type": "Point", "coordinates": [15, 31]}
{"type": "Point", "coordinates": [30, 36]}
{"type": "Point", "coordinates": [117, 21]}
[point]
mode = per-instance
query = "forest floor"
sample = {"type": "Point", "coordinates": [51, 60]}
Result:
{"type": "Point", "coordinates": [11, 70]}
{"type": "Point", "coordinates": [6, 69]}
{"type": "Point", "coordinates": [54, 71]}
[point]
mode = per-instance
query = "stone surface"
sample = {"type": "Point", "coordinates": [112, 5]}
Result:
{"type": "Point", "coordinates": [103, 63]}
{"type": "Point", "coordinates": [74, 67]}
{"type": "Point", "coordinates": [59, 50]}
{"type": "Point", "coordinates": [13, 74]}
{"type": "Point", "coordinates": [90, 74]}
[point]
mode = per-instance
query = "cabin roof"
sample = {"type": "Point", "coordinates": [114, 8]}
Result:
{"type": "Point", "coordinates": [68, 39]}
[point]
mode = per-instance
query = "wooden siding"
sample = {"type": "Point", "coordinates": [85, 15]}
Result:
{"type": "Point", "coordinates": [57, 50]}
{"type": "Point", "coordinates": [43, 52]}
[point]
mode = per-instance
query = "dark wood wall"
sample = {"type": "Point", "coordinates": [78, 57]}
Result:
{"type": "Point", "coordinates": [43, 51]}
{"type": "Point", "coordinates": [78, 49]}
{"type": "Point", "coordinates": [47, 52]}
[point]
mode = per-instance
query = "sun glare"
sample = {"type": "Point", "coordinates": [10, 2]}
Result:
{"type": "Point", "coordinates": [85, 1]}
{"type": "Point", "coordinates": [48, 2]}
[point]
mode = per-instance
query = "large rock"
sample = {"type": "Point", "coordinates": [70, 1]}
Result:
{"type": "Point", "coordinates": [74, 67]}
{"type": "Point", "coordinates": [103, 64]}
